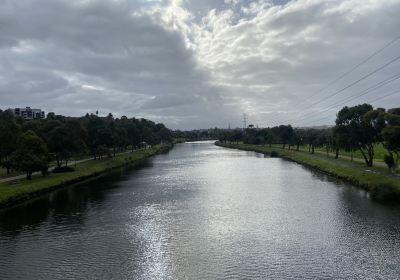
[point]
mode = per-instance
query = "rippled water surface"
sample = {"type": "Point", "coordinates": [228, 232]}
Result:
{"type": "Point", "coordinates": [203, 212]}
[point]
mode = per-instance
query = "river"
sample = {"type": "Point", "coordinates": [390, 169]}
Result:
{"type": "Point", "coordinates": [203, 212]}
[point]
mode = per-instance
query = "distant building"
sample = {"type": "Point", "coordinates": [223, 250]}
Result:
{"type": "Point", "coordinates": [29, 114]}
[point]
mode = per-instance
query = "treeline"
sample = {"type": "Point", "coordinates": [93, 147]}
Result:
{"type": "Point", "coordinates": [359, 128]}
{"type": "Point", "coordinates": [197, 134]}
{"type": "Point", "coordinates": [30, 145]}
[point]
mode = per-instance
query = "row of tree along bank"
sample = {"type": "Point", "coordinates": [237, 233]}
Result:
{"type": "Point", "coordinates": [358, 129]}
{"type": "Point", "coordinates": [29, 146]}
{"type": "Point", "coordinates": [20, 191]}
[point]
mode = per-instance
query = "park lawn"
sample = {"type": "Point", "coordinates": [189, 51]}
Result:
{"type": "Point", "coordinates": [377, 180]}
{"type": "Point", "coordinates": [380, 152]}
{"type": "Point", "coordinates": [23, 189]}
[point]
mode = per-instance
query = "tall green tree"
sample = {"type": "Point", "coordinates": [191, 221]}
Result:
{"type": "Point", "coordinates": [391, 134]}
{"type": "Point", "coordinates": [285, 133]}
{"type": "Point", "coordinates": [363, 125]}
{"type": "Point", "coordinates": [31, 154]}
{"type": "Point", "coordinates": [66, 140]}
{"type": "Point", "coordinates": [148, 136]}
{"type": "Point", "coordinates": [94, 126]}
{"type": "Point", "coordinates": [133, 135]}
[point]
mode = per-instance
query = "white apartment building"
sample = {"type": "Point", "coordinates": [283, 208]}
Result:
{"type": "Point", "coordinates": [29, 114]}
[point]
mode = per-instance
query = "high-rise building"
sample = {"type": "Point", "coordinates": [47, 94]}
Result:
{"type": "Point", "coordinates": [29, 114]}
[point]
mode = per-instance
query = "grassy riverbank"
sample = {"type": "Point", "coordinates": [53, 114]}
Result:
{"type": "Point", "coordinates": [381, 185]}
{"type": "Point", "coordinates": [12, 193]}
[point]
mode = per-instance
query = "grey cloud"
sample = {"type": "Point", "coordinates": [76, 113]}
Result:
{"type": "Point", "coordinates": [55, 47]}
{"type": "Point", "coordinates": [278, 57]}
{"type": "Point", "coordinates": [149, 59]}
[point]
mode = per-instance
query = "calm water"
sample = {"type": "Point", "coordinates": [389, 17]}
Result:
{"type": "Point", "coordinates": [203, 212]}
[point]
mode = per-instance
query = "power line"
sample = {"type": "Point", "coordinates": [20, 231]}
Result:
{"type": "Point", "coordinates": [351, 98]}
{"type": "Point", "coordinates": [356, 82]}
{"type": "Point", "coordinates": [368, 101]}
{"type": "Point", "coordinates": [357, 66]}
{"type": "Point", "coordinates": [351, 70]}
{"type": "Point", "coordinates": [385, 96]}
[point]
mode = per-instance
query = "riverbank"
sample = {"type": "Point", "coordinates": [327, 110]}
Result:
{"type": "Point", "coordinates": [12, 193]}
{"type": "Point", "coordinates": [381, 186]}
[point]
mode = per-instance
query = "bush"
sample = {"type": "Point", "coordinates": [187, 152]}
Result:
{"type": "Point", "coordinates": [63, 169]}
{"type": "Point", "coordinates": [390, 161]}
{"type": "Point", "coordinates": [386, 192]}
{"type": "Point", "coordinates": [274, 154]}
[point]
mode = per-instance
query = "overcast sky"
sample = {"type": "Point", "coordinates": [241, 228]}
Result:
{"type": "Point", "coordinates": [198, 63]}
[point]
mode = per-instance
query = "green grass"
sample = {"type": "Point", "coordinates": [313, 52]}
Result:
{"type": "Point", "coordinates": [12, 192]}
{"type": "Point", "coordinates": [377, 180]}
{"type": "Point", "coordinates": [380, 152]}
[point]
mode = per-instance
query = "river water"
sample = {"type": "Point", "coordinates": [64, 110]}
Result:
{"type": "Point", "coordinates": [203, 212]}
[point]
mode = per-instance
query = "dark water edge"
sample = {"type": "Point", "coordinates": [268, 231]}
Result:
{"type": "Point", "coordinates": [65, 199]}
{"type": "Point", "coordinates": [203, 212]}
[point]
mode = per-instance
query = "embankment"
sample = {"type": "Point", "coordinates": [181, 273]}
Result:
{"type": "Point", "coordinates": [382, 187]}
{"type": "Point", "coordinates": [12, 193]}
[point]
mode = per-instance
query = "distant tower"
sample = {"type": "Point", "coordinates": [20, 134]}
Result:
{"type": "Point", "coordinates": [244, 121]}
{"type": "Point", "coordinates": [229, 126]}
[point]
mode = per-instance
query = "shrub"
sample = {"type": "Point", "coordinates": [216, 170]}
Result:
{"type": "Point", "coordinates": [385, 192]}
{"type": "Point", "coordinates": [274, 154]}
{"type": "Point", "coordinates": [63, 169]}
{"type": "Point", "coordinates": [390, 161]}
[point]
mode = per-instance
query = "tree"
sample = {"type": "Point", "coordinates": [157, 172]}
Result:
{"type": "Point", "coordinates": [297, 138]}
{"type": "Point", "coordinates": [94, 126]}
{"type": "Point", "coordinates": [66, 140]}
{"type": "Point", "coordinates": [250, 136]}
{"type": "Point", "coordinates": [323, 139]}
{"type": "Point", "coordinates": [122, 138]}
{"type": "Point", "coordinates": [68, 136]}
{"type": "Point", "coordinates": [31, 154]}
{"type": "Point", "coordinates": [105, 141]}
{"type": "Point", "coordinates": [285, 134]}
{"type": "Point", "coordinates": [391, 133]}
{"type": "Point", "coordinates": [311, 136]}
{"type": "Point", "coordinates": [9, 133]}
{"type": "Point", "coordinates": [133, 134]}
{"type": "Point", "coordinates": [148, 136]}
{"type": "Point", "coordinates": [51, 116]}
{"type": "Point", "coordinates": [363, 125]}
{"type": "Point", "coordinates": [271, 137]}
{"type": "Point", "coordinates": [165, 134]}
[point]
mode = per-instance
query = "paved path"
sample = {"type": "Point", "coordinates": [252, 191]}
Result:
{"type": "Point", "coordinates": [23, 176]}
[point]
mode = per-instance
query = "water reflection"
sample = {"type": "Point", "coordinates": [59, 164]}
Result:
{"type": "Point", "coordinates": [203, 212]}
{"type": "Point", "coordinates": [73, 201]}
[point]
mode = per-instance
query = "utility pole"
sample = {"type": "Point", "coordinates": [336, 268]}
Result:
{"type": "Point", "coordinates": [244, 121]}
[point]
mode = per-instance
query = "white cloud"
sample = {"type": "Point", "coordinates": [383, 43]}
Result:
{"type": "Point", "coordinates": [274, 57]}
